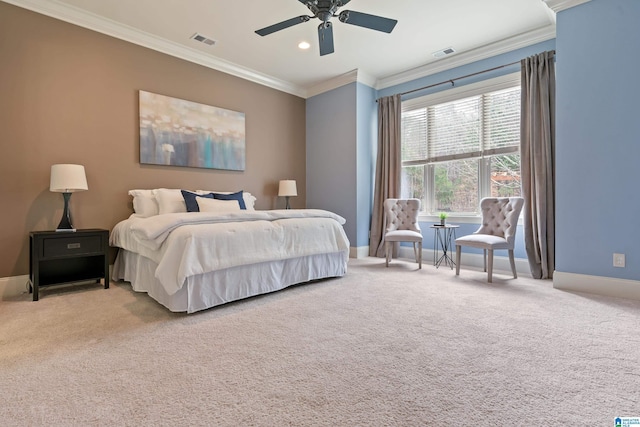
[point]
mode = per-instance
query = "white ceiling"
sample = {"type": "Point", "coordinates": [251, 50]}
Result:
{"type": "Point", "coordinates": [471, 27]}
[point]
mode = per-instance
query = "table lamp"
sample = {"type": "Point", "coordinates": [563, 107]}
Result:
{"type": "Point", "coordinates": [67, 179]}
{"type": "Point", "coordinates": [287, 189]}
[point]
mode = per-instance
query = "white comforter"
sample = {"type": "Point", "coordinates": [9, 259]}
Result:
{"type": "Point", "coordinates": [187, 244]}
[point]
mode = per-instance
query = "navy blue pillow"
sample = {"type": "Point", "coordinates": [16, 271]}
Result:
{"type": "Point", "coordinates": [233, 196]}
{"type": "Point", "coordinates": [190, 200]}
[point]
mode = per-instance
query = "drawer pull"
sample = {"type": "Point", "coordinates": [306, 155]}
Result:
{"type": "Point", "coordinates": [73, 246]}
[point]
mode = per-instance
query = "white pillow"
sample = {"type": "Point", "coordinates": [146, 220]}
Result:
{"type": "Point", "coordinates": [249, 199]}
{"type": "Point", "coordinates": [148, 203]}
{"type": "Point", "coordinates": [169, 201]}
{"type": "Point", "coordinates": [215, 205]}
{"type": "Point", "coordinates": [144, 203]}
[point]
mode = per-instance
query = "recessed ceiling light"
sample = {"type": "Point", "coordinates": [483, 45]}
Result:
{"type": "Point", "coordinates": [304, 45]}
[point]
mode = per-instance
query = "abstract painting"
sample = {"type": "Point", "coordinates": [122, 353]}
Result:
{"type": "Point", "coordinates": [176, 132]}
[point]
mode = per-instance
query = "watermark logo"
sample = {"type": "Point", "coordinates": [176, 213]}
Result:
{"type": "Point", "coordinates": [627, 422]}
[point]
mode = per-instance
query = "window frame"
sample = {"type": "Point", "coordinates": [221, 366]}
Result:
{"type": "Point", "coordinates": [495, 84]}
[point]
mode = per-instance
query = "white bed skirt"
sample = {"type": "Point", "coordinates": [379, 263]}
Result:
{"type": "Point", "coordinates": [220, 287]}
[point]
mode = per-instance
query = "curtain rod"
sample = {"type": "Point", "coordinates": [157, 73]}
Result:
{"type": "Point", "coordinates": [452, 81]}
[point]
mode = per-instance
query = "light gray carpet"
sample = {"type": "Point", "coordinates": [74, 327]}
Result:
{"type": "Point", "coordinates": [379, 347]}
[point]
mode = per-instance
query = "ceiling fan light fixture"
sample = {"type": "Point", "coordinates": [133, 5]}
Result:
{"type": "Point", "coordinates": [324, 10]}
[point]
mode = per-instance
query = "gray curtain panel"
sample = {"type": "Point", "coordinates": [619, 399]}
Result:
{"type": "Point", "coordinates": [537, 149]}
{"type": "Point", "coordinates": [388, 168]}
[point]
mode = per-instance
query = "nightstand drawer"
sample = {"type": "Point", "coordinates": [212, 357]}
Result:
{"type": "Point", "coordinates": [70, 246]}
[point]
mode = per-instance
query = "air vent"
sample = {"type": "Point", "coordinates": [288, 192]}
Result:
{"type": "Point", "coordinates": [443, 52]}
{"type": "Point", "coordinates": [203, 39]}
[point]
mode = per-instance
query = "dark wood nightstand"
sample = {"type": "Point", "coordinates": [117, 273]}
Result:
{"type": "Point", "coordinates": [58, 257]}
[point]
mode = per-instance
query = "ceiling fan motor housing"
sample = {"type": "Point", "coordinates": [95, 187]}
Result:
{"type": "Point", "coordinates": [324, 16]}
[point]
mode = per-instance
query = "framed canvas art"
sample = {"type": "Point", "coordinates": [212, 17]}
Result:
{"type": "Point", "coordinates": [176, 132]}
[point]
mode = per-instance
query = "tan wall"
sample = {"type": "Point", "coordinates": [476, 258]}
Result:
{"type": "Point", "coordinates": [70, 95]}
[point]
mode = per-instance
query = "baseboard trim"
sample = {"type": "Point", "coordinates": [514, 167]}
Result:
{"type": "Point", "coordinates": [599, 285]}
{"type": "Point", "coordinates": [359, 252]}
{"type": "Point", "coordinates": [11, 287]}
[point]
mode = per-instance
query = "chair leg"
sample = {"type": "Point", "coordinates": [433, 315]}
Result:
{"type": "Point", "coordinates": [458, 255]}
{"type": "Point", "coordinates": [484, 258]}
{"type": "Point", "coordinates": [490, 261]}
{"type": "Point", "coordinates": [387, 252]}
{"type": "Point", "coordinates": [420, 255]}
{"type": "Point", "coordinates": [513, 264]}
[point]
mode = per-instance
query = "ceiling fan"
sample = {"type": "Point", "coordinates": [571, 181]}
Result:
{"type": "Point", "coordinates": [324, 10]}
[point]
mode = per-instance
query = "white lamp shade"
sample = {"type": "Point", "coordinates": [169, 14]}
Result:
{"type": "Point", "coordinates": [287, 188]}
{"type": "Point", "coordinates": [68, 179]}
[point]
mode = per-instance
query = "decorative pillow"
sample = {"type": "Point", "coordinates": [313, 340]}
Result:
{"type": "Point", "coordinates": [248, 198]}
{"type": "Point", "coordinates": [169, 201]}
{"type": "Point", "coordinates": [215, 205]}
{"type": "Point", "coordinates": [233, 196]}
{"type": "Point", "coordinates": [190, 199]}
{"type": "Point", "coordinates": [144, 203]}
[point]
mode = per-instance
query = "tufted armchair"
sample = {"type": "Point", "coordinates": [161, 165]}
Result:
{"type": "Point", "coordinates": [498, 231]}
{"type": "Point", "coordinates": [401, 220]}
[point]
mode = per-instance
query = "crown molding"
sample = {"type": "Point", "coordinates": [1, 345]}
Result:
{"type": "Point", "coordinates": [76, 16]}
{"type": "Point", "coordinates": [559, 5]}
{"type": "Point", "coordinates": [366, 79]}
{"type": "Point", "coordinates": [341, 80]}
{"type": "Point", "coordinates": [111, 28]}
{"type": "Point", "coordinates": [484, 52]}
{"type": "Point", "coordinates": [333, 83]}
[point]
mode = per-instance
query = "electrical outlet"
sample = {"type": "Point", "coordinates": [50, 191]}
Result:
{"type": "Point", "coordinates": [618, 260]}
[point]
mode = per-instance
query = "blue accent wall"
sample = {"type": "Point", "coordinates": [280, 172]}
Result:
{"type": "Point", "coordinates": [331, 154]}
{"type": "Point", "coordinates": [598, 138]}
{"type": "Point", "coordinates": [341, 147]}
{"type": "Point", "coordinates": [367, 135]}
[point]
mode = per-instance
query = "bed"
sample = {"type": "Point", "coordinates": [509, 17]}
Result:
{"type": "Point", "coordinates": [191, 251]}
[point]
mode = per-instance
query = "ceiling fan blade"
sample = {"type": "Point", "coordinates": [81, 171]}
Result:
{"type": "Point", "coordinates": [325, 37]}
{"type": "Point", "coordinates": [365, 20]}
{"type": "Point", "coordinates": [282, 25]}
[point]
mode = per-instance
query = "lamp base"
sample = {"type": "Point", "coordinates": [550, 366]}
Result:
{"type": "Point", "coordinates": [287, 205]}
{"type": "Point", "coordinates": [65, 222]}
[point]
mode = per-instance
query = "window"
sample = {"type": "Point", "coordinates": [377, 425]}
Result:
{"type": "Point", "coordinates": [461, 145]}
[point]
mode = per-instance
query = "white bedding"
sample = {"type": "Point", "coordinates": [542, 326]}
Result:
{"type": "Point", "coordinates": [223, 286]}
{"type": "Point", "coordinates": [184, 245]}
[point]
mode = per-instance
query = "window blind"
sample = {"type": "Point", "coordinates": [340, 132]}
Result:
{"type": "Point", "coordinates": [414, 135]}
{"type": "Point", "coordinates": [502, 122]}
{"type": "Point", "coordinates": [471, 127]}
